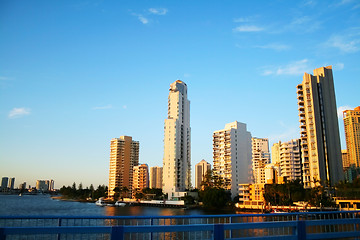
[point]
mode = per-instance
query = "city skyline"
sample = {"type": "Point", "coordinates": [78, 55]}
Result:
{"type": "Point", "coordinates": [75, 75]}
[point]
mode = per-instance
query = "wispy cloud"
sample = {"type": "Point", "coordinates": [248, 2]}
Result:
{"type": "Point", "coordinates": [338, 66]}
{"type": "Point", "coordinates": [275, 46]}
{"type": "Point", "coordinates": [102, 107]}
{"type": "Point", "coordinates": [141, 18]}
{"type": "Point", "coordinates": [341, 109]}
{"type": "Point", "coordinates": [158, 11]}
{"type": "Point", "coordinates": [290, 132]}
{"type": "Point", "coordinates": [293, 68]}
{"type": "Point", "coordinates": [345, 43]}
{"type": "Point", "coordinates": [19, 112]}
{"type": "Point", "coordinates": [124, 107]}
{"type": "Point", "coordinates": [248, 28]}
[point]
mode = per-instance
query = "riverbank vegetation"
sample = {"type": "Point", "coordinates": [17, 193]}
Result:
{"type": "Point", "coordinates": [293, 191]}
{"type": "Point", "coordinates": [213, 193]}
{"type": "Point", "coordinates": [83, 194]}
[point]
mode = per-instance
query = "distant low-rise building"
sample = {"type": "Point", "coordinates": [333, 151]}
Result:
{"type": "Point", "coordinates": [251, 196]}
{"type": "Point", "coordinates": [200, 171]}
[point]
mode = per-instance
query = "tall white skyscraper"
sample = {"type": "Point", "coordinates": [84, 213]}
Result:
{"type": "Point", "coordinates": [319, 129]}
{"type": "Point", "coordinates": [232, 155]}
{"type": "Point", "coordinates": [176, 161]}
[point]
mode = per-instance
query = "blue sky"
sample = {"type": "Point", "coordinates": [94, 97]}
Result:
{"type": "Point", "coordinates": [74, 74]}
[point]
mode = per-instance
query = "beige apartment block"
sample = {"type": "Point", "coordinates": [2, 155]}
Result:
{"type": "Point", "coordinates": [156, 175]}
{"type": "Point", "coordinates": [140, 178]}
{"type": "Point", "coordinates": [177, 151]}
{"type": "Point", "coordinates": [200, 171]}
{"type": "Point", "coordinates": [319, 130]}
{"type": "Point", "coordinates": [288, 155]}
{"type": "Point", "coordinates": [124, 155]}
{"type": "Point", "coordinates": [232, 155]}
{"type": "Point", "coordinates": [260, 157]}
{"type": "Point", "coordinates": [352, 135]}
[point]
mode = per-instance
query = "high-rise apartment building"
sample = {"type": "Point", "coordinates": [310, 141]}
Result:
{"type": "Point", "coordinates": [176, 161]}
{"type": "Point", "coordinates": [200, 171]}
{"type": "Point", "coordinates": [319, 130]}
{"type": "Point", "coordinates": [289, 159]}
{"type": "Point", "coordinates": [4, 182]}
{"type": "Point", "coordinates": [156, 175]}
{"type": "Point", "coordinates": [232, 155]}
{"type": "Point", "coordinates": [140, 177]}
{"type": "Point", "coordinates": [124, 155]}
{"type": "Point", "coordinates": [11, 183]}
{"type": "Point", "coordinates": [42, 185]}
{"type": "Point", "coordinates": [260, 157]}
{"type": "Point", "coordinates": [352, 135]}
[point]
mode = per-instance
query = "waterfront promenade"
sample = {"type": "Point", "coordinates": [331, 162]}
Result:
{"type": "Point", "coordinates": [316, 225]}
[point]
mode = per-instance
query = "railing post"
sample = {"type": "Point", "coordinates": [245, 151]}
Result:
{"type": "Point", "coordinates": [2, 234]}
{"type": "Point", "coordinates": [59, 225]}
{"type": "Point", "coordinates": [218, 233]}
{"type": "Point", "coordinates": [117, 233]}
{"type": "Point", "coordinates": [301, 230]}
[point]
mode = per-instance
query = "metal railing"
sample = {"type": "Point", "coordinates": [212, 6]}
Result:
{"type": "Point", "coordinates": [319, 225]}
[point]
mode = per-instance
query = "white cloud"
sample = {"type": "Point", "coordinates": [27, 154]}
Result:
{"type": "Point", "coordinates": [275, 46]}
{"type": "Point", "coordinates": [19, 112]}
{"type": "Point", "coordinates": [341, 109]}
{"type": "Point", "coordinates": [103, 107]}
{"type": "Point", "coordinates": [158, 11]}
{"type": "Point", "coordinates": [143, 19]}
{"type": "Point", "coordinates": [344, 43]}
{"type": "Point", "coordinates": [338, 66]}
{"type": "Point", "coordinates": [294, 68]}
{"type": "Point", "coordinates": [248, 28]}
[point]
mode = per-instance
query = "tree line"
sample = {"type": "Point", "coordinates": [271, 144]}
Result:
{"type": "Point", "coordinates": [80, 193]}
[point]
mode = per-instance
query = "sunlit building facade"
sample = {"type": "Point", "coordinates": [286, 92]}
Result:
{"type": "Point", "coordinates": [140, 177]}
{"type": "Point", "coordinates": [288, 157]}
{"type": "Point", "coordinates": [352, 136]}
{"type": "Point", "coordinates": [177, 152]}
{"type": "Point", "coordinates": [319, 130]}
{"type": "Point", "coordinates": [201, 170]}
{"type": "Point", "coordinates": [156, 174]}
{"type": "Point", "coordinates": [124, 155]}
{"type": "Point", "coordinates": [232, 156]}
{"type": "Point", "coordinates": [260, 157]}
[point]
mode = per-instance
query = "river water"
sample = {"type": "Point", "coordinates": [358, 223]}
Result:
{"type": "Point", "coordinates": [42, 205]}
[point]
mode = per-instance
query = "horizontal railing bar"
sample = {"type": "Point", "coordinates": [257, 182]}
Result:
{"type": "Point", "coordinates": [332, 221]}
{"type": "Point", "coordinates": [286, 237]}
{"type": "Point", "coordinates": [55, 230]}
{"type": "Point", "coordinates": [169, 228]}
{"type": "Point", "coordinates": [333, 235]}
{"type": "Point", "coordinates": [178, 216]}
{"type": "Point", "coordinates": [256, 225]}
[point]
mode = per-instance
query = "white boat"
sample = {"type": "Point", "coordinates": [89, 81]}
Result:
{"type": "Point", "coordinates": [120, 204]}
{"type": "Point", "coordinates": [100, 202]}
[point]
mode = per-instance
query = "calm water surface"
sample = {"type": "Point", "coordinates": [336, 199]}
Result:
{"type": "Point", "coordinates": [44, 205]}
